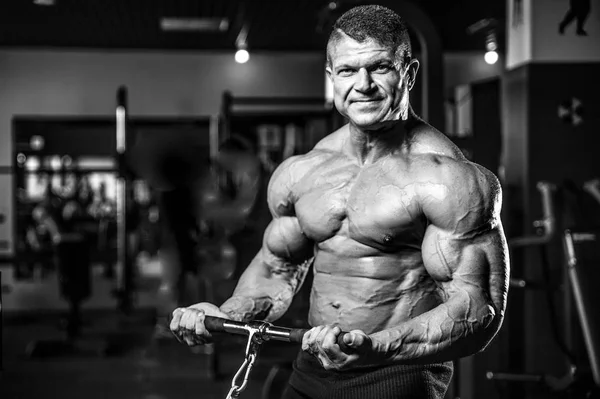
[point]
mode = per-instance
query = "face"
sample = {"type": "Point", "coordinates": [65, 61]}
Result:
{"type": "Point", "coordinates": [369, 84]}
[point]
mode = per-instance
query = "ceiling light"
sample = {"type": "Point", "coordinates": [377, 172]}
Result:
{"type": "Point", "coordinates": [242, 56]}
{"type": "Point", "coordinates": [36, 142]}
{"type": "Point", "coordinates": [44, 2]}
{"type": "Point", "coordinates": [241, 43]}
{"type": "Point", "coordinates": [491, 45]}
{"type": "Point", "coordinates": [491, 57]}
{"type": "Point", "coordinates": [195, 24]}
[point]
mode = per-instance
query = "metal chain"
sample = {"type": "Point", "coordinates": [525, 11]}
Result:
{"type": "Point", "coordinates": [245, 369]}
{"type": "Point", "coordinates": [251, 353]}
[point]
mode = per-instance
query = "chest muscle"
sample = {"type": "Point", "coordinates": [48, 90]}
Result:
{"type": "Point", "coordinates": [367, 205]}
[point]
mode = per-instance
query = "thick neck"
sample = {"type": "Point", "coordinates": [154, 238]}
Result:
{"type": "Point", "coordinates": [370, 145]}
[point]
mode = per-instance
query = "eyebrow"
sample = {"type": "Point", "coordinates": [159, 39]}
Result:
{"type": "Point", "coordinates": [368, 64]}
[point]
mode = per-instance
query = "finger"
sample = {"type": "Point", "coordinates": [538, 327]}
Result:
{"type": "Point", "coordinates": [187, 326]}
{"type": "Point", "coordinates": [182, 329]}
{"type": "Point", "coordinates": [182, 321]}
{"type": "Point", "coordinates": [328, 338]}
{"type": "Point", "coordinates": [190, 320]}
{"type": "Point", "coordinates": [174, 325]}
{"type": "Point", "coordinates": [352, 340]}
{"type": "Point", "coordinates": [306, 339]}
{"type": "Point", "coordinates": [330, 349]}
{"type": "Point", "coordinates": [189, 340]}
{"type": "Point", "coordinates": [309, 338]}
{"type": "Point", "coordinates": [199, 324]}
{"type": "Point", "coordinates": [355, 339]}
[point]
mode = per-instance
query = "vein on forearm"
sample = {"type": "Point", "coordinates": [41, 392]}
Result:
{"type": "Point", "coordinates": [266, 295]}
{"type": "Point", "coordinates": [452, 329]}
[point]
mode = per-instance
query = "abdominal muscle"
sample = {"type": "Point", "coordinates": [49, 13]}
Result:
{"type": "Point", "coordinates": [369, 292]}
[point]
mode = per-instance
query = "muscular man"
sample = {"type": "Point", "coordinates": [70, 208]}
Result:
{"type": "Point", "coordinates": [403, 234]}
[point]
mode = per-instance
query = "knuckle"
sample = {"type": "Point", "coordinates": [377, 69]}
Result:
{"type": "Point", "coordinates": [327, 346]}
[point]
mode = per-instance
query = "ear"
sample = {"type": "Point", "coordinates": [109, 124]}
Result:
{"type": "Point", "coordinates": [328, 71]}
{"type": "Point", "coordinates": [411, 73]}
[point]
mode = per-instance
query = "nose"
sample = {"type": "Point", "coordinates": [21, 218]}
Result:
{"type": "Point", "coordinates": [363, 83]}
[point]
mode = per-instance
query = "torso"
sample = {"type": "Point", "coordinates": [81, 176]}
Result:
{"type": "Point", "coordinates": [368, 229]}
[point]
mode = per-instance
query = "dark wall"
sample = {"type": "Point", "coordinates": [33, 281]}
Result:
{"type": "Point", "coordinates": [538, 145]}
{"type": "Point", "coordinates": [560, 150]}
{"type": "Point", "coordinates": [515, 204]}
{"type": "Point", "coordinates": [487, 126]}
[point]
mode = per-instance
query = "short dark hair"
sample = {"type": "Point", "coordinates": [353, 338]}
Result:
{"type": "Point", "coordinates": [376, 23]}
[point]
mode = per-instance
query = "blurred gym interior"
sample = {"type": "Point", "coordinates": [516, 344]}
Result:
{"type": "Point", "coordinates": [108, 106]}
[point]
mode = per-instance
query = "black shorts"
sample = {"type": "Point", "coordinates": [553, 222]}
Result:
{"type": "Point", "coordinates": [310, 380]}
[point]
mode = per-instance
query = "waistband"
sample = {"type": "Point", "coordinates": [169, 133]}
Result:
{"type": "Point", "coordinates": [387, 382]}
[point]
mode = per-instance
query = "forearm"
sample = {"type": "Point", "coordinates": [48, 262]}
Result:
{"type": "Point", "coordinates": [460, 327]}
{"type": "Point", "coordinates": [265, 293]}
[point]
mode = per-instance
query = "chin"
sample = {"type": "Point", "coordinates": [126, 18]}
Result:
{"type": "Point", "coordinates": [364, 121]}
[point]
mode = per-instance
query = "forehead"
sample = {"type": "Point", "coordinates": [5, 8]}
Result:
{"type": "Point", "coordinates": [347, 50]}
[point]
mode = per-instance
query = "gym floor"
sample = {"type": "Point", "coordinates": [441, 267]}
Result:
{"type": "Point", "coordinates": [137, 367]}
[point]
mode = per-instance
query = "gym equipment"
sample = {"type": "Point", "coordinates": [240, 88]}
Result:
{"type": "Point", "coordinates": [73, 259]}
{"type": "Point", "coordinates": [581, 257]}
{"type": "Point", "coordinates": [125, 276]}
{"type": "Point", "coordinates": [583, 277]}
{"type": "Point", "coordinates": [545, 230]}
{"type": "Point", "coordinates": [72, 247]}
{"type": "Point", "coordinates": [580, 275]}
{"type": "Point", "coordinates": [593, 188]}
{"type": "Point", "coordinates": [1, 292]}
{"type": "Point", "coordinates": [258, 332]}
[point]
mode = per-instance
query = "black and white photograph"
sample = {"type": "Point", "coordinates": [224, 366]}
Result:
{"type": "Point", "coordinates": [299, 199]}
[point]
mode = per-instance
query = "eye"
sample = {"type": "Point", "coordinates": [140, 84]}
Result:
{"type": "Point", "coordinates": [382, 68]}
{"type": "Point", "coordinates": [345, 72]}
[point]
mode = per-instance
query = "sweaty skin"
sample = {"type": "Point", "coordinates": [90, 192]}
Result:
{"type": "Point", "coordinates": [403, 232]}
{"type": "Point", "coordinates": [409, 249]}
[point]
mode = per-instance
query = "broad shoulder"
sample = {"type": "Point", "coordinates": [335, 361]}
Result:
{"type": "Point", "coordinates": [454, 193]}
{"type": "Point", "coordinates": [424, 139]}
{"type": "Point", "coordinates": [333, 142]}
{"type": "Point", "coordinates": [289, 173]}
{"type": "Point", "coordinates": [293, 169]}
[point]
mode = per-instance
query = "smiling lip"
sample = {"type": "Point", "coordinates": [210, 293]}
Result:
{"type": "Point", "coordinates": [367, 100]}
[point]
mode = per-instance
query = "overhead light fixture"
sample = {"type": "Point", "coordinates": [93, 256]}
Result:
{"type": "Point", "coordinates": [194, 24]}
{"type": "Point", "coordinates": [482, 25]}
{"type": "Point", "coordinates": [491, 45]}
{"type": "Point", "coordinates": [36, 142]}
{"type": "Point", "coordinates": [242, 55]}
{"type": "Point", "coordinates": [44, 2]}
{"type": "Point", "coordinates": [491, 57]}
{"type": "Point", "coordinates": [488, 27]}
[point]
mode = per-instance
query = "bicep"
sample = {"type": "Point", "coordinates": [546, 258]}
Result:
{"type": "Point", "coordinates": [284, 242]}
{"type": "Point", "coordinates": [475, 266]}
{"type": "Point", "coordinates": [464, 247]}
{"type": "Point", "coordinates": [283, 260]}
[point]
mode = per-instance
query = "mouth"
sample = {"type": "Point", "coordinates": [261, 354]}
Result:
{"type": "Point", "coordinates": [367, 100]}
